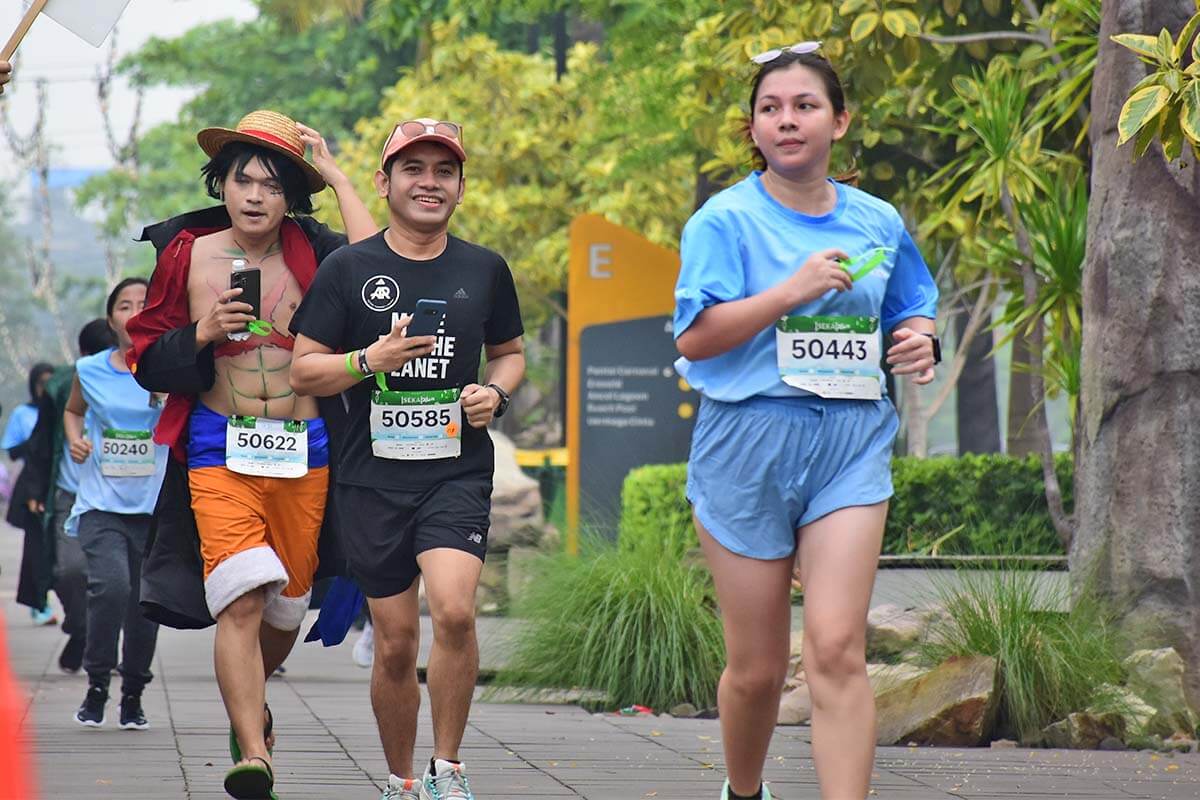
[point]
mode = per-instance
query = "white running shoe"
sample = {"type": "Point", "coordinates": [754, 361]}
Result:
{"type": "Point", "coordinates": [445, 781]}
{"type": "Point", "coordinates": [401, 789]}
{"type": "Point", "coordinates": [364, 648]}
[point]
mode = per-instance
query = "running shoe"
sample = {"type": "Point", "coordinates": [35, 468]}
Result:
{"type": "Point", "coordinates": [401, 789]}
{"type": "Point", "coordinates": [727, 793]}
{"type": "Point", "coordinates": [43, 617]}
{"type": "Point", "coordinates": [364, 648]}
{"type": "Point", "coordinates": [132, 716]}
{"type": "Point", "coordinates": [445, 780]}
{"type": "Point", "coordinates": [91, 713]}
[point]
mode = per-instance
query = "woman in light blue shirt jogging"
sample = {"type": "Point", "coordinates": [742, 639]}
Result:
{"type": "Point", "coordinates": [790, 282]}
{"type": "Point", "coordinates": [108, 423]}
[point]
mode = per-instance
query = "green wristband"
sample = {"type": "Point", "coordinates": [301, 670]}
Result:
{"type": "Point", "coordinates": [352, 368]}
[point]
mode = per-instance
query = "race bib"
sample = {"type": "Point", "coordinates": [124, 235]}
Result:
{"type": "Point", "coordinates": [415, 426]}
{"type": "Point", "coordinates": [126, 454]}
{"type": "Point", "coordinates": [266, 448]}
{"type": "Point", "coordinates": [832, 357]}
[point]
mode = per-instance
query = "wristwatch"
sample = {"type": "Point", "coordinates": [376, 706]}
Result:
{"type": "Point", "coordinates": [504, 398]}
{"type": "Point", "coordinates": [937, 348]}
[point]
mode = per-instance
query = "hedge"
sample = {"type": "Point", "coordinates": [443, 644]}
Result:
{"type": "Point", "coordinates": [970, 505]}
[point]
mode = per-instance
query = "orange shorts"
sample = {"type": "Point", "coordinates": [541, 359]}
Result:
{"type": "Point", "coordinates": [259, 532]}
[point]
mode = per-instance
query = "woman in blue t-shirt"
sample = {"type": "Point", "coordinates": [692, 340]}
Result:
{"type": "Point", "coordinates": [108, 423]}
{"type": "Point", "coordinates": [788, 284]}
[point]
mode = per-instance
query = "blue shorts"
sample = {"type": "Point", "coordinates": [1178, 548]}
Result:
{"type": "Point", "coordinates": [206, 439]}
{"type": "Point", "coordinates": [765, 467]}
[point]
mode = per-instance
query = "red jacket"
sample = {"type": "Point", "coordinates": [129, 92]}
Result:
{"type": "Point", "coordinates": [167, 310]}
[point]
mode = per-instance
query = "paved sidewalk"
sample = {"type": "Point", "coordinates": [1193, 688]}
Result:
{"type": "Point", "coordinates": [328, 747]}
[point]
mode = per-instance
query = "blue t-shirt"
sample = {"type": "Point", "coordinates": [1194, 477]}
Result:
{"type": "Point", "coordinates": [68, 470]}
{"type": "Point", "coordinates": [114, 401]}
{"type": "Point", "coordinates": [20, 426]}
{"type": "Point", "coordinates": [743, 242]}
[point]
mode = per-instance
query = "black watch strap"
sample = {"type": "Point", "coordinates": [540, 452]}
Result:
{"type": "Point", "coordinates": [504, 398]}
{"type": "Point", "coordinates": [937, 347]}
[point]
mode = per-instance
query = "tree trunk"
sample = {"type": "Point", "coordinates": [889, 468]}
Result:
{"type": "Point", "coordinates": [1138, 482]}
{"type": "Point", "coordinates": [1021, 438]}
{"type": "Point", "coordinates": [978, 412]}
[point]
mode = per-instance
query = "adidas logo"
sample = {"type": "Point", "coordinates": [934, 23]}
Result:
{"type": "Point", "coordinates": [461, 294]}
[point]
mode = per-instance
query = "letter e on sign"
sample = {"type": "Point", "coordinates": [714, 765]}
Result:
{"type": "Point", "coordinates": [599, 255]}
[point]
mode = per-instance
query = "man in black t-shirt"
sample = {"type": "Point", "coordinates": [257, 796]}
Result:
{"type": "Point", "coordinates": [414, 476]}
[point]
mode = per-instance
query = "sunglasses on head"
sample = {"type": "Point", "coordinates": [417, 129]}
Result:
{"type": "Point", "coordinates": [799, 49]}
{"type": "Point", "coordinates": [410, 129]}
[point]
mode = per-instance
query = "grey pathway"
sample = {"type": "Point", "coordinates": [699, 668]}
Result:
{"type": "Point", "coordinates": [328, 748]}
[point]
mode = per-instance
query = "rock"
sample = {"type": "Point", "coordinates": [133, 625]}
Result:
{"type": "Point", "coordinates": [1180, 743]}
{"type": "Point", "coordinates": [884, 677]}
{"type": "Point", "coordinates": [684, 711]}
{"type": "Point", "coordinates": [517, 517]}
{"type": "Point", "coordinates": [1084, 731]}
{"type": "Point", "coordinates": [795, 654]}
{"type": "Point", "coordinates": [1158, 676]}
{"type": "Point", "coordinates": [1136, 711]}
{"type": "Point", "coordinates": [954, 704]}
{"type": "Point", "coordinates": [892, 630]}
{"type": "Point", "coordinates": [491, 595]}
{"type": "Point", "coordinates": [1004, 744]}
{"type": "Point", "coordinates": [520, 563]}
{"type": "Point", "coordinates": [1111, 743]}
{"type": "Point", "coordinates": [796, 706]}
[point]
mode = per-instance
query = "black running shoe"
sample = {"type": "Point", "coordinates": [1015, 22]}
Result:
{"type": "Point", "coordinates": [132, 718]}
{"type": "Point", "coordinates": [71, 657]}
{"type": "Point", "coordinates": [91, 713]}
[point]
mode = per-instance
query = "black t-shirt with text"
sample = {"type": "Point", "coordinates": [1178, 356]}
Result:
{"type": "Point", "coordinates": [358, 293]}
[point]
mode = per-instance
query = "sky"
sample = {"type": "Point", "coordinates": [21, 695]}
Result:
{"type": "Point", "coordinates": [70, 64]}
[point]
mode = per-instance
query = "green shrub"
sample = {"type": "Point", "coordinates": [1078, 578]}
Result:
{"type": "Point", "coordinates": [996, 503]}
{"type": "Point", "coordinates": [640, 628]}
{"type": "Point", "coordinates": [655, 512]}
{"type": "Point", "coordinates": [974, 504]}
{"type": "Point", "coordinates": [1052, 663]}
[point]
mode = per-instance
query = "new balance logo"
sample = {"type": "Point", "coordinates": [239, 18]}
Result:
{"type": "Point", "coordinates": [461, 294]}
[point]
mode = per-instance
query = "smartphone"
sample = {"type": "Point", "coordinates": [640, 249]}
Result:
{"type": "Point", "coordinates": [249, 280]}
{"type": "Point", "coordinates": [427, 317]}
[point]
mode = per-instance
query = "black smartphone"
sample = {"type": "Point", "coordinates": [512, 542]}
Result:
{"type": "Point", "coordinates": [427, 318]}
{"type": "Point", "coordinates": [249, 280]}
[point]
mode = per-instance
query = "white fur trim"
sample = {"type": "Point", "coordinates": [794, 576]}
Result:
{"type": "Point", "coordinates": [285, 613]}
{"type": "Point", "coordinates": [243, 572]}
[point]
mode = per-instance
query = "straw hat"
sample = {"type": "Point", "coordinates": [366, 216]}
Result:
{"type": "Point", "coordinates": [265, 129]}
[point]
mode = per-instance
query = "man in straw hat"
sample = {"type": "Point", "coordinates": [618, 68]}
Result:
{"type": "Point", "coordinates": [217, 334]}
{"type": "Point", "coordinates": [413, 493]}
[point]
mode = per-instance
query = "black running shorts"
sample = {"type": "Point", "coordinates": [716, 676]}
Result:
{"type": "Point", "coordinates": [384, 530]}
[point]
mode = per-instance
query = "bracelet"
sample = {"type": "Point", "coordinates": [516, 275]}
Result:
{"type": "Point", "coordinates": [352, 369]}
{"type": "Point", "coordinates": [362, 363]}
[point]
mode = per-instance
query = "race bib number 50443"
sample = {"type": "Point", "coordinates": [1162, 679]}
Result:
{"type": "Point", "coordinates": [832, 357]}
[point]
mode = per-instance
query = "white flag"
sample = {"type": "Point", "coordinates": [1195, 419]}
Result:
{"type": "Point", "coordinates": [90, 20]}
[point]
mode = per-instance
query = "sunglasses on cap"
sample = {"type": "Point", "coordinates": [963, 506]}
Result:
{"type": "Point", "coordinates": [411, 129]}
{"type": "Point", "coordinates": [799, 49]}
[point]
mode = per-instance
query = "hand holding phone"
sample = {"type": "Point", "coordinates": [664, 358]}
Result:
{"type": "Point", "coordinates": [427, 318]}
{"type": "Point", "coordinates": [249, 280]}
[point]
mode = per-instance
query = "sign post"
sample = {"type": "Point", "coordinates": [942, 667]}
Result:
{"type": "Point", "coordinates": [626, 406]}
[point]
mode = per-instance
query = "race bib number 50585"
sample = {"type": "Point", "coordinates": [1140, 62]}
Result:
{"type": "Point", "coordinates": [416, 426]}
